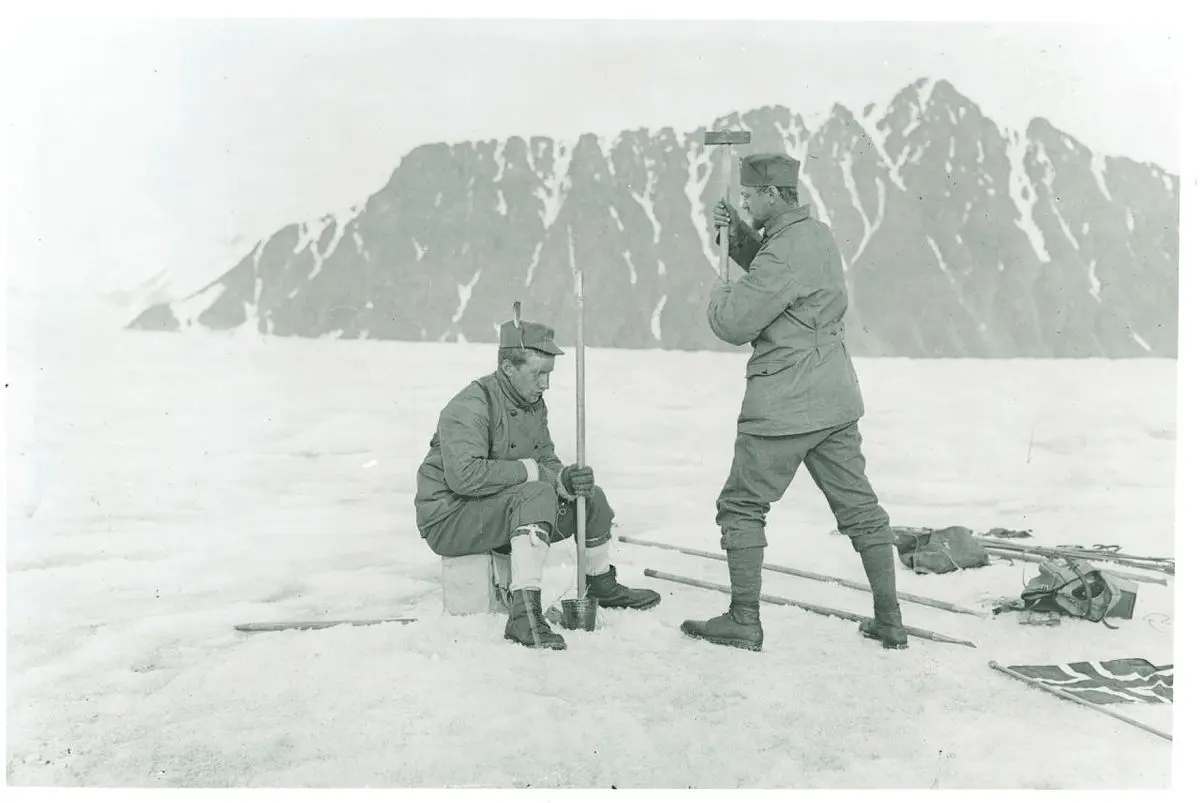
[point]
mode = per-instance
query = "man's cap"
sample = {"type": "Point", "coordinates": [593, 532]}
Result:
{"type": "Point", "coordinates": [770, 170]}
{"type": "Point", "coordinates": [529, 335]}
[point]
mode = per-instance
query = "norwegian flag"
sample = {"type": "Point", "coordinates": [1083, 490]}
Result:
{"type": "Point", "coordinates": [1125, 680]}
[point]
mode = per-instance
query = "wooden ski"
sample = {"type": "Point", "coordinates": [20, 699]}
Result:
{"type": "Point", "coordinates": [320, 624]}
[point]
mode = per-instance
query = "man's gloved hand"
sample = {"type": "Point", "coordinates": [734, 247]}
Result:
{"type": "Point", "coordinates": [578, 480]}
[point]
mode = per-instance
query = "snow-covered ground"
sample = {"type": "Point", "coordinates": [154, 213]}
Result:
{"type": "Point", "coordinates": [180, 485]}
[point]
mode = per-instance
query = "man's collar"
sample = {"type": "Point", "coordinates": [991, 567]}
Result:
{"type": "Point", "coordinates": [509, 392]}
{"type": "Point", "coordinates": [785, 219]}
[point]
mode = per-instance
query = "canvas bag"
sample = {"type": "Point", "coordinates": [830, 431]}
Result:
{"type": "Point", "coordinates": [1076, 588]}
{"type": "Point", "coordinates": [929, 551]}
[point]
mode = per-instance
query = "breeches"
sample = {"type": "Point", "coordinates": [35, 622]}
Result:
{"type": "Point", "coordinates": [764, 467]}
{"type": "Point", "coordinates": [487, 523]}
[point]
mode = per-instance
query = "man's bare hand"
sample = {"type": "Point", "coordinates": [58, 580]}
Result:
{"type": "Point", "coordinates": [723, 214]}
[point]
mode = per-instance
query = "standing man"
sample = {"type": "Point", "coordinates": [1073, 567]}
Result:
{"type": "Point", "coordinates": [492, 481]}
{"type": "Point", "coordinates": [802, 400]}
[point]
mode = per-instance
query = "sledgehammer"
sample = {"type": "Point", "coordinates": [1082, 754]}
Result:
{"type": "Point", "coordinates": [725, 139]}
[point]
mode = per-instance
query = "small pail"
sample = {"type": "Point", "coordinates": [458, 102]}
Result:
{"type": "Point", "coordinates": [579, 614]}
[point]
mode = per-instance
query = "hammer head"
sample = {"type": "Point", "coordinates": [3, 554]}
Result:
{"type": "Point", "coordinates": [726, 137]}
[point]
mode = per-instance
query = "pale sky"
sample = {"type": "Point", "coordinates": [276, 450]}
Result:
{"type": "Point", "coordinates": [175, 145]}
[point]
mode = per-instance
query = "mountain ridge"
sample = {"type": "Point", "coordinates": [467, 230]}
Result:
{"type": "Point", "coordinates": [960, 239]}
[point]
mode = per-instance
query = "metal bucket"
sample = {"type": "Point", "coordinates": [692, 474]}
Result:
{"type": "Point", "coordinates": [579, 614]}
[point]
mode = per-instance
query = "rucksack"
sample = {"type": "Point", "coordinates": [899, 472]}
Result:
{"type": "Point", "coordinates": [929, 551]}
{"type": "Point", "coordinates": [1076, 588]}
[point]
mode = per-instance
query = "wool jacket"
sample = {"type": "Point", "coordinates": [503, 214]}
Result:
{"type": "Point", "coordinates": [790, 306]}
{"type": "Point", "coordinates": [488, 440]}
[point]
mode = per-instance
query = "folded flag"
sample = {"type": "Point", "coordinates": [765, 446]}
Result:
{"type": "Point", "coordinates": [1124, 680]}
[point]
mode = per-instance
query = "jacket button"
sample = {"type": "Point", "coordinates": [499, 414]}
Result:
{"type": "Point", "coordinates": [513, 413]}
{"type": "Point", "coordinates": [512, 446]}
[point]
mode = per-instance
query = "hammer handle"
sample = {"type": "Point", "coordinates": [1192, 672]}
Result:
{"type": "Point", "coordinates": [727, 176]}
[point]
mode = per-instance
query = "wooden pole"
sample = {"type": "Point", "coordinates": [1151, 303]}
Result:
{"type": "Point", "coordinates": [725, 140]}
{"type": "Point", "coordinates": [1067, 695]}
{"type": "Point", "coordinates": [1000, 543]}
{"type": "Point", "coordinates": [824, 578]}
{"type": "Point", "coordinates": [1165, 565]}
{"type": "Point", "coordinates": [580, 422]}
{"type": "Point", "coordinates": [996, 552]}
{"type": "Point", "coordinates": [820, 609]}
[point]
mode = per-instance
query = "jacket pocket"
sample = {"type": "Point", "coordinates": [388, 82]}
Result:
{"type": "Point", "coordinates": [767, 367]}
{"type": "Point", "coordinates": [771, 398]}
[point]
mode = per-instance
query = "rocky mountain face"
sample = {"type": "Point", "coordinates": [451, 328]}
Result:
{"type": "Point", "coordinates": [959, 240]}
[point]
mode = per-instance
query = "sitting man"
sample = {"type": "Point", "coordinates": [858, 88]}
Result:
{"type": "Point", "coordinates": [491, 481]}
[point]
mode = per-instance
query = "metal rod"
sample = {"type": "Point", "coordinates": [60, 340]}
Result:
{"type": "Point", "coordinates": [1067, 695]}
{"type": "Point", "coordinates": [774, 567]}
{"type": "Point", "coordinates": [820, 609]}
{"type": "Point", "coordinates": [580, 421]}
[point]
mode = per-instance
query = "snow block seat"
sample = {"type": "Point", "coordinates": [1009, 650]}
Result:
{"type": "Point", "coordinates": [476, 584]}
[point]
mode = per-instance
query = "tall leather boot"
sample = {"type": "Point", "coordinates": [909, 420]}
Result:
{"type": "Point", "coordinates": [739, 626]}
{"type": "Point", "coordinates": [526, 623]}
{"type": "Point", "coordinates": [887, 626]}
{"type": "Point", "coordinates": [602, 583]}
